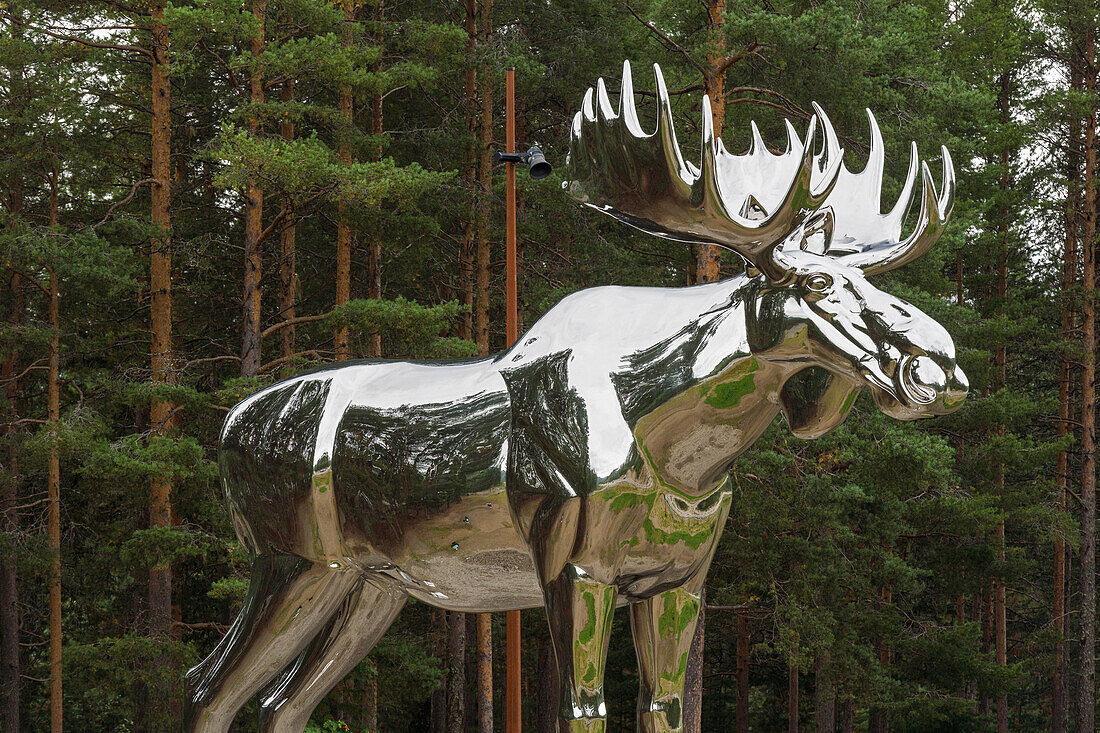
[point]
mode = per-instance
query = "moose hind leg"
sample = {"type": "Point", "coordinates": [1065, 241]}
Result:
{"type": "Point", "coordinates": [580, 611]}
{"type": "Point", "coordinates": [663, 627]}
{"type": "Point", "coordinates": [289, 599]}
{"type": "Point", "coordinates": [361, 620]}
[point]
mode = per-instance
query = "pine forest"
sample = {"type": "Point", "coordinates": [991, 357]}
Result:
{"type": "Point", "coordinates": [201, 197]}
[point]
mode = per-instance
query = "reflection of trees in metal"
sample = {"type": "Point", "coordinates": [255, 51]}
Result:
{"type": "Point", "coordinates": [396, 465]}
{"type": "Point", "coordinates": [266, 459]}
{"type": "Point", "coordinates": [658, 372]}
{"type": "Point", "coordinates": [548, 453]}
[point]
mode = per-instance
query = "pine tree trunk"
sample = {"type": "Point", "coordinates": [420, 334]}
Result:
{"type": "Point", "coordinates": [485, 673]}
{"type": "Point", "coordinates": [53, 486]}
{"type": "Point", "coordinates": [160, 293]}
{"type": "Point", "coordinates": [987, 640]}
{"type": "Point", "coordinates": [960, 619]}
{"type": "Point", "coordinates": [1065, 399]}
{"type": "Point", "coordinates": [251, 341]}
{"type": "Point", "coordinates": [548, 690]}
{"type": "Point", "coordinates": [439, 694]}
{"type": "Point", "coordinates": [11, 680]}
{"type": "Point", "coordinates": [485, 185]}
{"type": "Point", "coordinates": [468, 250]}
{"type": "Point", "coordinates": [370, 705]}
{"type": "Point", "coordinates": [374, 287]}
{"type": "Point", "coordinates": [714, 85]}
{"type": "Point", "coordinates": [456, 672]}
{"type": "Point", "coordinates": [824, 698]}
{"type": "Point", "coordinates": [741, 715]}
{"type": "Point", "coordinates": [288, 266]}
{"type": "Point", "coordinates": [1086, 673]}
{"type": "Point", "coordinates": [693, 676]}
{"type": "Point", "coordinates": [343, 228]}
{"type": "Point", "coordinates": [374, 246]}
{"type": "Point", "coordinates": [876, 717]}
{"type": "Point", "coordinates": [1000, 622]}
{"type": "Point", "coordinates": [1070, 620]}
{"type": "Point", "coordinates": [470, 704]}
{"type": "Point", "coordinates": [847, 715]}
{"type": "Point", "coordinates": [792, 698]}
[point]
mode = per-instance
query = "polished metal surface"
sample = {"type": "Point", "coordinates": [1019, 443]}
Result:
{"type": "Point", "coordinates": [586, 467]}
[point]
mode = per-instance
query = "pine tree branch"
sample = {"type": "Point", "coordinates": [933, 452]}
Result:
{"type": "Point", "coordinates": [313, 354]}
{"type": "Point", "coordinates": [233, 80]}
{"type": "Point", "coordinates": [669, 43]}
{"type": "Point", "coordinates": [292, 322]}
{"type": "Point", "coordinates": [206, 360]}
{"type": "Point", "coordinates": [280, 221]}
{"type": "Point", "coordinates": [201, 626]}
{"type": "Point", "coordinates": [123, 202]}
{"type": "Point", "coordinates": [36, 366]}
{"type": "Point", "coordinates": [753, 49]}
{"type": "Point", "coordinates": [96, 44]}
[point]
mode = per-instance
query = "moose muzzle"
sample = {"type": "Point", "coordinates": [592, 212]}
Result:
{"type": "Point", "coordinates": [923, 389]}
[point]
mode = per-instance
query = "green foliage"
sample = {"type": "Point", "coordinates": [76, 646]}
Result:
{"type": "Point", "coordinates": [853, 550]}
{"type": "Point", "coordinates": [409, 329]}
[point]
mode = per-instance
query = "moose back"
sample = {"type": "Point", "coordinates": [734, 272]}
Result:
{"type": "Point", "coordinates": [586, 467]}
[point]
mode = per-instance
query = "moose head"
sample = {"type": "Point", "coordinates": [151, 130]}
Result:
{"type": "Point", "coordinates": [810, 230]}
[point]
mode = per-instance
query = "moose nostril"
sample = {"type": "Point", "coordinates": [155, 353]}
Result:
{"type": "Point", "coordinates": [922, 380]}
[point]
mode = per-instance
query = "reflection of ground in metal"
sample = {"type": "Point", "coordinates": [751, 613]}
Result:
{"type": "Point", "coordinates": [508, 560]}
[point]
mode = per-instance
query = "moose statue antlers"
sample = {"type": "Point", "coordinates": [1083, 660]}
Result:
{"type": "Point", "coordinates": [584, 468]}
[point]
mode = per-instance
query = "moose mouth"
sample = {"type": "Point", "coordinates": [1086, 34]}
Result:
{"type": "Point", "coordinates": [920, 388]}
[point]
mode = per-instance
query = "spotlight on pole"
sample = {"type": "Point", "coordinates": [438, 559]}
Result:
{"type": "Point", "coordinates": [537, 165]}
{"type": "Point", "coordinates": [539, 168]}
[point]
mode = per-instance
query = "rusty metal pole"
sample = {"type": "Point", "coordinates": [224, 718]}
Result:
{"type": "Point", "coordinates": [510, 206]}
{"type": "Point", "coordinates": [513, 716]}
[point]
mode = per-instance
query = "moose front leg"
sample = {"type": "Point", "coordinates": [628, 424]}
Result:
{"type": "Point", "coordinates": [580, 611]}
{"type": "Point", "coordinates": [663, 627]}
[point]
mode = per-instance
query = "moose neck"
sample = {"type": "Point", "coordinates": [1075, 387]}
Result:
{"type": "Point", "coordinates": [728, 396]}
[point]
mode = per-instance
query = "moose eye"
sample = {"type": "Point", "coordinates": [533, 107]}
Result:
{"type": "Point", "coordinates": [818, 283]}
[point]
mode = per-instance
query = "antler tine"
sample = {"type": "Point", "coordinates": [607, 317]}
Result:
{"type": "Point", "coordinates": [897, 214]}
{"type": "Point", "coordinates": [934, 211]}
{"type": "Point", "coordinates": [628, 111]}
{"type": "Point", "coordinates": [830, 172]}
{"type": "Point", "coordinates": [831, 151]}
{"type": "Point", "coordinates": [876, 158]}
{"type": "Point", "coordinates": [603, 102]}
{"type": "Point", "coordinates": [792, 136]}
{"type": "Point", "coordinates": [757, 144]}
{"type": "Point", "coordinates": [947, 201]}
{"type": "Point", "coordinates": [666, 132]}
{"type": "Point", "coordinates": [588, 107]}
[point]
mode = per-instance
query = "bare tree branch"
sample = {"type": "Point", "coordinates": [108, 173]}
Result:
{"type": "Point", "coordinates": [666, 40]}
{"type": "Point", "coordinates": [123, 202]}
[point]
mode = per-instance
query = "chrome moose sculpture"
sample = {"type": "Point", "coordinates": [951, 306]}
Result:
{"type": "Point", "coordinates": [586, 467]}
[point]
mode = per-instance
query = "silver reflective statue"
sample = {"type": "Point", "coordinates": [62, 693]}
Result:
{"type": "Point", "coordinates": [586, 467]}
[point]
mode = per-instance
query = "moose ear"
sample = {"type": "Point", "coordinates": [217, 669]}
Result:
{"type": "Point", "coordinates": [815, 401]}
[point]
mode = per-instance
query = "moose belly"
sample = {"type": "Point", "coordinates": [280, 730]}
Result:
{"type": "Point", "coordinates": [468, 557]}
